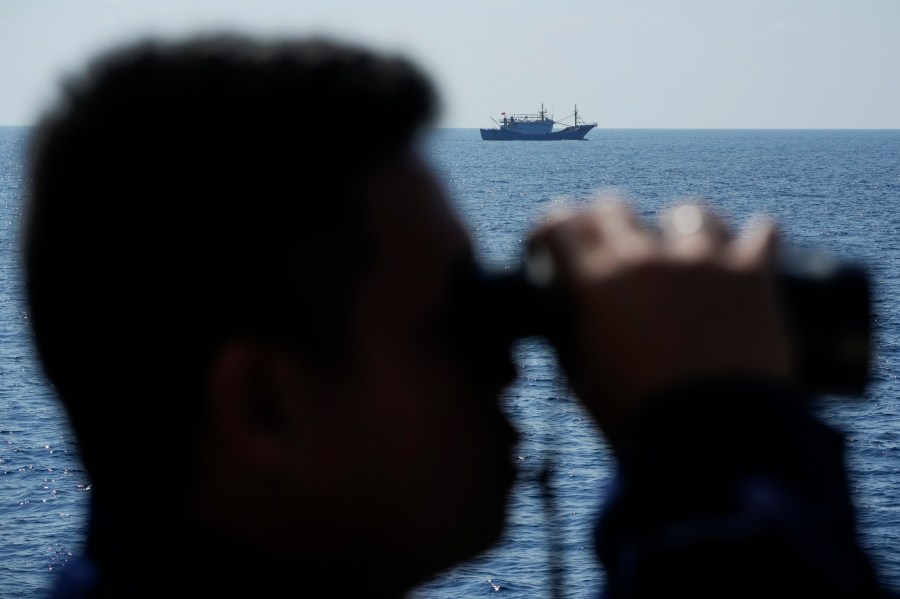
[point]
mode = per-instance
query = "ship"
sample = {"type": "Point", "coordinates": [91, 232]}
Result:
{"type": "Point", "coordinates": [535, 127]}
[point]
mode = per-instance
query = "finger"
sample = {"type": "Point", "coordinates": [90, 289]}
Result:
{"type": "Point", "coordinates": [756, 246]}
{"type": "Point", "coordinates": [693, 231]}
{"type": "Point", "coordinates": [566, 236]}
{"type": "Point", "coordinates": [622, 235]}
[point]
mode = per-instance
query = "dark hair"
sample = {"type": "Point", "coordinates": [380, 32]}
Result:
{"type": "Point", "coordinates": [187, 192]}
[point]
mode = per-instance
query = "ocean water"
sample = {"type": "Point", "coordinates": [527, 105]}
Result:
{"type": "Point", "coordinates": [837, 190]}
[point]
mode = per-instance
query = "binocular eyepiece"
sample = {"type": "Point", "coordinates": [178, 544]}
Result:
{"type": "Point", "coordinates": [825, 302]}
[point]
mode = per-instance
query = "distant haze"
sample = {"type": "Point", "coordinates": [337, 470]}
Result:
{"type": "Point", "coordinates": [625, 63]}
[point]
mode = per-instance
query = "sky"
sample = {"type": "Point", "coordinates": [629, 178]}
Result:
{"type": "Point", "coordinates": [625, 63]}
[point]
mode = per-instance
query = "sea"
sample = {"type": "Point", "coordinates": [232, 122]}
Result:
{"type": "Point", "coordinates": [836, 190]}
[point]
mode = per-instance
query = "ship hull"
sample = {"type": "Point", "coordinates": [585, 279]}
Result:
{"type": "Point", "coordinates": [576, 132]}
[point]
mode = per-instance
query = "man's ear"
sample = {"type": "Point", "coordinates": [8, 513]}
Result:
{"type": "Point", "coordinates": [256, 399]}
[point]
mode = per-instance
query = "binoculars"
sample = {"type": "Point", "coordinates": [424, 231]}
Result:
{"type": "Point", "coordinates": [825, 303]}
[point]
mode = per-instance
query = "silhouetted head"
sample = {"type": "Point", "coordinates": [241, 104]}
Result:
{"type": "Point", "coordinates": [188, 192]}
{"type": "Point", "coordinates": [237, 267]}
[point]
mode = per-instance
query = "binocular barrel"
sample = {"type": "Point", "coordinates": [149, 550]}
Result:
{"type": "Point", "coordinates": [826, 306]}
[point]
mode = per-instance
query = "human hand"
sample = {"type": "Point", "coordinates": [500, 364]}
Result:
{"type": "Point", "coordinates": [653, 308]}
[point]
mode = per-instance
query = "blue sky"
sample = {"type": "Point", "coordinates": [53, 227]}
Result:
{"type": "Point", "coordinates": [625, 63]}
